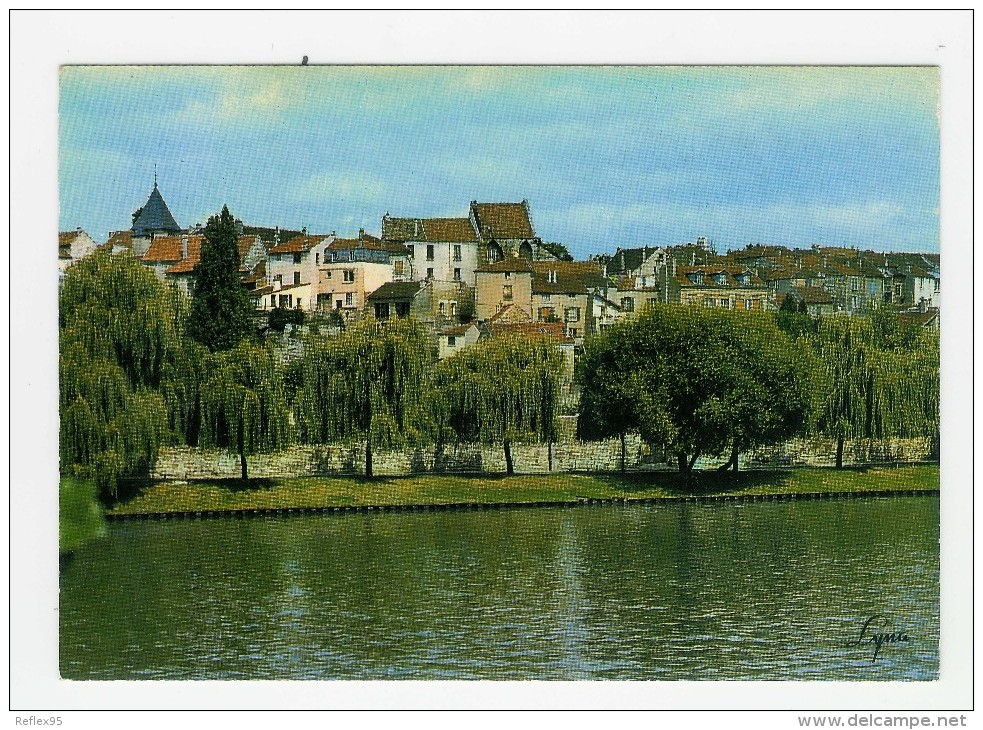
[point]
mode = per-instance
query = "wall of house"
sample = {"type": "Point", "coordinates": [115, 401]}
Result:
{"type": "Point", "coordinates": [568, 455]}
{"type": "Point", "coordinates": [367, 278]}
{"type": "Point", "coordinates": [443, 262]}
{"type": "Point", "coordinates": [489, 293]}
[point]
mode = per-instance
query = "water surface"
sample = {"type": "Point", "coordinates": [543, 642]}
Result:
{"type": "Point", "coordinates": [663, 592]}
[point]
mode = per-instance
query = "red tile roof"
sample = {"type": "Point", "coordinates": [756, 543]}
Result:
{"type": "Point", "coordinates": [503, 220]}
{"type": "Point", "coordinates": [120, 238]}
{"type": "Point", "coordinates": [449, 229]}
{"type": "Point", "coordinates": [298, 244]}
{"type": "Point", "coordinates": [814, 295]}
{"type": "Point", "coordinates": [168, 248]}
{"type": "Point", "coordinates": [571, 277]}
{"type": "Point", "coordinates": [713, 270]}
{"type": "Point", "coordinates": [187, 265]}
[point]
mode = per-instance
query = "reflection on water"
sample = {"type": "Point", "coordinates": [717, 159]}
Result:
{"type": "Point", "coordinates": [675, 591]}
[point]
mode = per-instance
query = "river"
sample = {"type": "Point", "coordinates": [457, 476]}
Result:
{"type": "Point", "coordinates": [759, 591]}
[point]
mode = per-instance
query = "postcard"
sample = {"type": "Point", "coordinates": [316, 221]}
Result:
{"type": "Point", "coordinates": [621, 380]}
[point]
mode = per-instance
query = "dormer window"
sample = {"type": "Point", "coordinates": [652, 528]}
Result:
{"type": "Point", "coordinates": [721, 278]}
{"type": "Point", "coordinates": [551, 276]}
{"type": "Point", "coordinates": [695, 278]}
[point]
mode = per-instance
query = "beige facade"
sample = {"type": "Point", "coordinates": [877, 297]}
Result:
{"type": "Point", "coordinates": [497, 288]}
{"type": "Point", "coordinates": [345, 286]}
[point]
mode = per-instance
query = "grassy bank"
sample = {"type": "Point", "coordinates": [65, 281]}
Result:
{"type": "Point", "coordinates": [449, 489]}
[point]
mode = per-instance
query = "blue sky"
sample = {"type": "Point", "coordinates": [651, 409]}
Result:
{"type": "Point", "coordinates": [606, 156]}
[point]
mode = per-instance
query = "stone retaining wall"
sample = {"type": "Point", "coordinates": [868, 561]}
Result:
{"type": "Point", "coordinates": [184, 463]}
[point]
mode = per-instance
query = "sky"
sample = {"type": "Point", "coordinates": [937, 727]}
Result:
{"type": "Point", "coordinates": [607, 157]}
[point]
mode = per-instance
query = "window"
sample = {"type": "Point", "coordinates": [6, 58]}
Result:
{"type": "Point", "coordinates": [551, 276]}
{"type": "Point", "coordinates": [453, 309]}
{"type": "Point", "coordinates": [725, 303]}
{"type": "Point", "coordinates": [451, 341]}
{"type": "Point", "coordinates": [571, 296]}
{"type": "Point", "coordinates": [749, 304]}
{"type": "Point", "coordinates": [708, 302]}
{"type": "Point", "coordinates": [278, 279]}
{"type": "Point", "coordinates": [442, 308]}
{"type": "Point", "coordinates": [545, 314]}
{"type": "Point", "coordinates": [349, 299]}
{"type": "Point", "coordinates": [457, 274]}
{"type": "Point", "coordinates": [398, 267]}
{"type": "Point", "coordinates": [299, 302]}
{"type": "Point", "coordinates": [349, 276]}
{"type": "Point", "coordinates": [296, 277]}
{"type": "Point", "coordinates": [572, 314]}
{"type": "Point", "coordinates": [317, 259]}
{"type": "Point", "coordinates": [547, 297]}
{"type": "Point", "coordinates": [429, 252]}
{"type": "Point", "coordinates": [854, 283]}
{"type": "Point", "coordinates": [337, 304]}
{"type": "Point", "coordinates": [508, 274]}
{"type": "Point", "coordinates": [507, 292]}
{"type": "Point", "coordinates": [628, 304]}
{"type": "Point", "coordinates": [351, 255]}
{"type": "Point", "coordinates": [429, 273]}
{"type": "Point", "coordinates": [573, 331]}
{"type": "Point", "coordinates": [327, 274]}
{"type": "Point", "coordinates": [296, 258]}
{"type": "Point", "coordinates": [457, 252]}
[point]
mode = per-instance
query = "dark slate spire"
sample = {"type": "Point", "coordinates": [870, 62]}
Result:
{"type": "Point", "coordinates": [154, 216]}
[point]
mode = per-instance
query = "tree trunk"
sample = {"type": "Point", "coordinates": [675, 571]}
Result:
{"type": "Point", "coordinates": [692, 462]}
{"type": "Point", "coordinates": [682, 462]}
{"type": "Point", "coordinates": [839, 452]}
{"type": "Point", "coordinates": [242, 451]}
{"type": "Point", "coordinates": [368, 458]}
{"type": "Point", "coordinates": [549, 455]}
{"type": "Point", "coordinates": [509, 466]}
{"type": "Point", "coordinates": [624, 450]}
{"type": "Point", "coordinates": [732, 461]}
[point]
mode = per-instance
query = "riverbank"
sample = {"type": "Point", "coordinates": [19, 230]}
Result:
{"type": "Point", "coordinates": [216, 496]}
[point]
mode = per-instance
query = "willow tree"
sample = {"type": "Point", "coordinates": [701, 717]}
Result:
{"type": "Point", "coordinates": [370, 383]}
{"type": "Point", "coordinates": [502, 391]}
{"type": "Point", "coordinates": [119, 341]}
{"type": "Point", "coordinates": [221, 313]}
{"type": "Point", "coordinates": [878, 381]}
{"type": "Point", "coordinates": [241, 403]}
{"type": "Point", "coordinates": [696, 381]}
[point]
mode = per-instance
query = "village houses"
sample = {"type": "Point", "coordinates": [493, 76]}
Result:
{"type": "Point", "coordinates": [476, 276]}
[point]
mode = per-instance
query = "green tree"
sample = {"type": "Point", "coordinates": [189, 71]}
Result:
{"type": "Point", "coordinates": [502, 391]}
{"type": "Point", "coordinates": [793, 320]}
{"type": "Point", "coordinates": [120, 341]}
{"type": "Point", "coordinates": [221, 313]}
{"type": "Point", "coordinates": [241, 403]}
{"type": "Point", "coordinates": [696, 382]}
{"type": "Point", "coordinates": [881, 380]}
{"type": "Point", "coordinates": [370, 383]}
{"type": "Point", "coordinates": [606, 403]}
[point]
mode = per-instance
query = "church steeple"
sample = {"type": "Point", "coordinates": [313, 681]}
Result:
{"type": "Point", "coordinates": [154, 217]}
